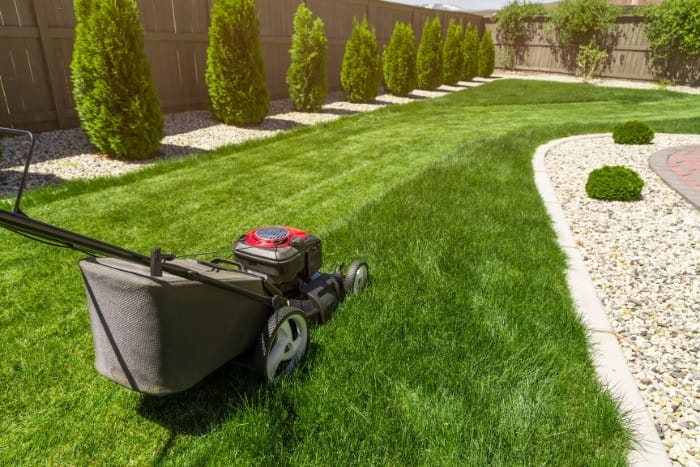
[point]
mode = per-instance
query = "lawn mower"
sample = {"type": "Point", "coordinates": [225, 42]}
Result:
{"type": "Point", "coordinates": [160, 324]}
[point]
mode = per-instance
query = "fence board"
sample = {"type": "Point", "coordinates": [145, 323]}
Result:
{"type": "Point", "coordinates": [49, 59]}
{"type": "Point", "coordinates": [60, 14]}
{"type": "Point", "coordinates": [630, 58]}
{"type": "Point", "coordinates": [16, 13]}
{"type": "Point", "coordinates": [277, 17]}
{"type": "Point", "coordinates": [384, 16]}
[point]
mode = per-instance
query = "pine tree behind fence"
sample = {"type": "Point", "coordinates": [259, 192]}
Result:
{"type": "Point", "coordinates": [452, 55]}
{"type": "Point", "coordinates": [487, 55]}
{"type": "Point", "coordinates": [113, 87]}
{"type": "Point", "coordinates": [470, 48]}
{"type": "Point", "coordinates": [307, 79]}
{"type": "Point", "coordinates": [235, 75]}
{"type": "Point", "coordinates": [429, 57]}
{"type": "Point", "coordinates": [399, 61]}
{"type": "Point", "coordinates": [360, 73]}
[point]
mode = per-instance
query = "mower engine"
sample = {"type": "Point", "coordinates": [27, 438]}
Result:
{"type": "Point", "coordinates": [282, 255]}
{"type": "Point", "coordinates": [290, 260]}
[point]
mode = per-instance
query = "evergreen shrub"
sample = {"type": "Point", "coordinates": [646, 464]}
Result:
{"type": "Point", "coordinates": [235, 75]}
{"type": "Point", "coordinates": [470, 49]}
{"type": "Point", "coordinates": [361, 72]}
{"type": "Point", "coordinates": [307, 80]}
{"type": "Point", "coordinates": [487, 56]}
{"type": "Point", "coordinates": [588, 59]}
{"type": "Point", "coordinates": [452, 55]}
{"type": "Point", "coordinates": [578, 22]}
{"type": "Point", "coordinates": [673, 29]}
{"type": "Point", "coordinates": [614, 183]}
{"type": "Point", "coordinates": [399, 61]}
{"type": "Point", "coordinates": [633, 132]}
{"type": "Point", "coordinates": [429, 57]}
{"type": "Point", "coordinates": [113, 87]}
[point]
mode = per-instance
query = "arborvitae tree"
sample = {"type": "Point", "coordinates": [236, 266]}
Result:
{"type": "Point", "coordinates": [429, 58]}
{"type": "Point", "coordinates": [235, 74]}
{"type": "Point", "coordinates": [361, 72]}
{"type": "Point", "coordinates": [470, 49]}
{"type": "Point", "coordinates": [113, 87]}
{"type": "Point", "coordinates": [487, 55]}
{"type": "Point", "coordinates": [452, 55]}
{"type": "Point", "coordinates": [399, 61]}
{"type": "Point", "coordinates": [307, 79]}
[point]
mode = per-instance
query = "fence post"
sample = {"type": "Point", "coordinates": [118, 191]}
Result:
{"type": "Point", "coordinates": [49, 61]}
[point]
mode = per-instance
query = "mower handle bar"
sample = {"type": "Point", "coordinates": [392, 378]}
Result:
{"type": "Point", "coordinates": [18, 222]}
{"type": "Point", "coordinates": [30, 153]}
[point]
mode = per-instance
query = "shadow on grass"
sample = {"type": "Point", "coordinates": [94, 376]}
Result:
{"type": "Point", "coordinates": [10, 180]}
{"type": "Point", "coordinates": [205, 407]}
{"type": "Point", "coordinates": [339, 112]}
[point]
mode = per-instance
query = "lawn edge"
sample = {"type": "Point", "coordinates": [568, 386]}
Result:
{"type": "Point", "coordinates": [609, 361]}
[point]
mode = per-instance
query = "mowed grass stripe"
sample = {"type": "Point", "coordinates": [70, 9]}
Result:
{"type": "Point", "coordinates": [465, 350]}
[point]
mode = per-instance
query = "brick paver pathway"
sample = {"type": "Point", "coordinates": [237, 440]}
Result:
{"type": "Point", "coordinates": [686, 165]}
{"type": "Point", "coordinates": [680, 168]}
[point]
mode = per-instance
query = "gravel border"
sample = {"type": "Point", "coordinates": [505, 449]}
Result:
{"type": "Point", "coordinates": [644, 259]}
{"type": "Point", "coordinates": [604, 82]}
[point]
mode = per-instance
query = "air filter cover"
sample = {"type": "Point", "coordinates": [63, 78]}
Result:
{"type": "Point", "coordinates": [273, 236]}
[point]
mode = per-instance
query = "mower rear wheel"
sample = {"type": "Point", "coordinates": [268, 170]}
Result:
{"type": "Point", "coordinates": [357, 277]}
{"type": "Point", "coordinates": [282, 344]}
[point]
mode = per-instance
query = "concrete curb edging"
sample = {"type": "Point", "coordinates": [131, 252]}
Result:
{"type": "Point", "coordinates": [609, 361]}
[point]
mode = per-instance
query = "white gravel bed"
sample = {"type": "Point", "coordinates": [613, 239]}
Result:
{"type": "Point", "coordinates": [604, 82]}
{"type": "Point", "coordinates": [644, 258]}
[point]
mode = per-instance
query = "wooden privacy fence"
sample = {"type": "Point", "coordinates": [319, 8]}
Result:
{"type": "Point", "coordinates": [630, 57]}
{"type": "Point", "coordinates": [36, 44]}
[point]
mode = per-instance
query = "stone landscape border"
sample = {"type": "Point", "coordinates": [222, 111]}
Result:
{"type": "Point", "coordinates": [606, 353]}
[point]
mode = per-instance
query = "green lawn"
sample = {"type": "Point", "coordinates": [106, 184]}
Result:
{"type": "Point", "coordinates": [466, 350]}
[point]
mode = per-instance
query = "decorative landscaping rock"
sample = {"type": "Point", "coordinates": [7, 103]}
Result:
{"type": "Point", "coordinates": [643, 258]}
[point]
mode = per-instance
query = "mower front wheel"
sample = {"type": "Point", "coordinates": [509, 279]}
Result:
{"type": "Point", "coordinates": [357, 277]}
{"type": "Point", "coordinates": [282, 344]}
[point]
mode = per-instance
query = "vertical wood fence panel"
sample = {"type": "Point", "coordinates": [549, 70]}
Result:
{"type": "Point", "coordinates": [630, 57]}
{"type": "Point", "coordinates": [36, 46]}
{"type": "Point", "coordinates": [383, 17]}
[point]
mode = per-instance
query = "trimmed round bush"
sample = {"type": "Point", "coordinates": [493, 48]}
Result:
{"type": "Point", "coordinates": [614, 183]}
{"type": "Point", "coordinates": [633, 132]}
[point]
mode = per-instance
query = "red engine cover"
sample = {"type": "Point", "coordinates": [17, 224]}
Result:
{"type": "Point", "coordinates": [273, 236]}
